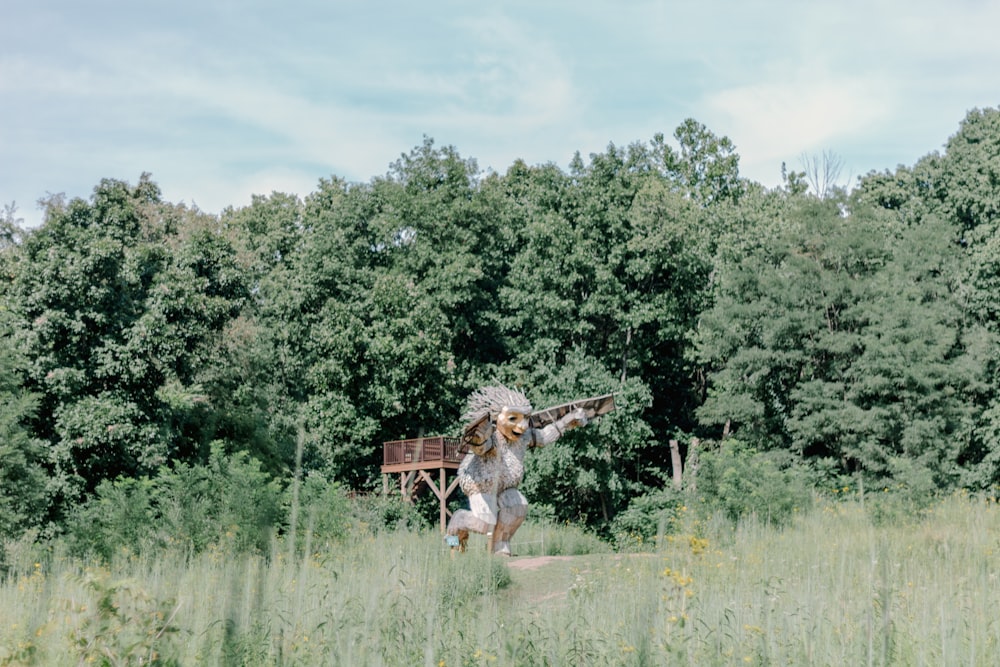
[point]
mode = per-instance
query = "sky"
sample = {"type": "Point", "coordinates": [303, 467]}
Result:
{"type": "Point", "coordinates": [223, 99]}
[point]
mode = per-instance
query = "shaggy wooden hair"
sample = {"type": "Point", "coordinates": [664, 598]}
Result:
{"type": "Point", "coordinates": [491, 400]}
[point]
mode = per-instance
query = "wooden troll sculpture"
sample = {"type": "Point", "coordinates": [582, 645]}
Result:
{"type": "Point", "coordinates": [501, 428]}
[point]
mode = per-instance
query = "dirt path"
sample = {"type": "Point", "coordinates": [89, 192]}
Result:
{"type": "Point", "coordinates": [535, 562]}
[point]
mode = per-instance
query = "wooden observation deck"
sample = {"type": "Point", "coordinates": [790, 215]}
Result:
{"type": "Point", "coordinates": [415, 461]}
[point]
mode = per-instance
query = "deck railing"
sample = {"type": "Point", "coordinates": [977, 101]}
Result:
{"type": "Point", "coordinates": [418, 450]}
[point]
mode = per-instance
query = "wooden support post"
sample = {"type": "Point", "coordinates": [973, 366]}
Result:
{"type": "Point", "coordinates": [675, 462]}
{"type": "Point", "coordinates": [451, 488]}
{"type": "Point", "coordinates": [407, 480]}
{"type": "Point", "coordinates": [441, 491]}
{"type": "Point", "coordinates": [424, 475]}
{"type": "Point", "coordinates": [443, 474]}
{"type": "Point", "coordinates": [415, 461]}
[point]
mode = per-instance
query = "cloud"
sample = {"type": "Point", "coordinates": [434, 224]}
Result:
{"type": "Point", "coordinates": [273, 98]}
{"type": "Point", "coordinates": [771, 122]}
{"type": "Point", "coordinates": [503, 83]}
{"type": "Point", "coordinates": [214, 191]}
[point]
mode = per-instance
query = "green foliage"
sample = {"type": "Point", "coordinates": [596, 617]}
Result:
{"type": "Point", "coordinates": [968, 173]}
{"type": "Point", "coordinates": [707, 166]}
{"type": "Point", "coordinates": [647, 517]}
{"type": "Point", "coordinates": [377, 514]}
{"type": "Point", "coordinates": [230, 501]}
{"type": "Point", "coordinates": [104, 436]}
{"type": "Point", "coordinates": [856, 331]}
{"type": "Point", "coordinates": [125, 626]}
{"type": "Point", "coordinates": [229, 504]}
{"type": "Point", "coordinates": [466, 579]}
{"type": "Point", "coordinates": [846, 339]}
{"type": "Point", "coordinates": [785, 320]}
{"type": "Point", "coordinates": [319, 512]}
{"type": "Point", "coordinates": [118, 304]}
{"type": "Point", "coordinates": [905, 496]}
{"type": "Point", "coordinates": [384, 277]}
{"type": "Point", "coordinates": [24, 495]}
{"type": "Point", "coordinates": [741, 483]}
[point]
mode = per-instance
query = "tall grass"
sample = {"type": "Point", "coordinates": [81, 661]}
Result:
{"type": "Point", "coordinates": [834, 588]}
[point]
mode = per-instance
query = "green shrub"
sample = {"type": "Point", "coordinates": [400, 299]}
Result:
{"type": "Point", "coordinates": [120, 515]}
{"type": "Point", "coordinates": [230, 503]}
{"type": "Point", "coordinates": [905, 497]}
{"type": "Point", "coordinates": [739, 481]}
{"type": "Point", "coordinates": [378, 513]}
{"type": "Point", "coordinates": [647, 516]}
{"type": "Point", "coordinates": [321, 512]}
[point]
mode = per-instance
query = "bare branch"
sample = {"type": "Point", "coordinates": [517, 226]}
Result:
{"type": "Point", "coordinates": [822, 171]}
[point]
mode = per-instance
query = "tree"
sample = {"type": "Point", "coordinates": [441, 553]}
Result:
{"type": "Point", "coordinates": [608, 275]}
{"type": "Point", "coordinates": [822, 172]}
{"type": "Point", "coordinates": [783, 315]}
{"type": "Point", "coordinates": [260, 362]}
{"type": "Point", "coordinates": [24, 496]}
{"type": "Point", "coordinates": [966, 180]}
{"type": "Point", "coordinates": [846, 340]}
{"type": "Point", "coordinates": [118, 303]}
{"type": "Point", "coordinates": [391, 287]}
{"type": "Point", "coordinates": [909, 391]}
{"type": "Point", "coordinates": [707, 166]}
{"type": "Point", "coordinates": [11, 232]}
{"type": "Point", "coordinates": [954, 194]}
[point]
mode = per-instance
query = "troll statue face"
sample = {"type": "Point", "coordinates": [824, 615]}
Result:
{"type": "Point", "coordinates": [497, 406]}
{"type": "Point", "coordinates": [512, 423]}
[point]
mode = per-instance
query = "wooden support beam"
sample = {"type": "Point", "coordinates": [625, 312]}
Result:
{"type": "Point", "coordinates": [441, 488]}
{"type": "Point", "coordinates": [442, 491]}
{"type": "Point", "coordinates": [430, 482]}
{"type": "Point", "coordinates": [443, 476]}
{"type": "Point", "coordinates": [415, 461]}
{"type": "Point", "coordinates": [407, 480]}
{"type": "Point", "coordinates": [447, 494]}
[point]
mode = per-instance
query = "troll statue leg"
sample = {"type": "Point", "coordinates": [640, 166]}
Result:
{"type": "Point", "coordinates": [480, 518]}
{"type": "Point", "coordinates": [513, 507]}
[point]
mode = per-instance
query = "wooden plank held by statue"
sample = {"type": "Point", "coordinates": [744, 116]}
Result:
{"type": "Point", "coordinates": [478, 434]}
{"type": "Point", "coordinates": [594, 407]}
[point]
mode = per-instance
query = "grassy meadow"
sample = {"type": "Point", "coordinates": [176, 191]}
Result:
{"type": "Point", "coordinates": [832, 589]}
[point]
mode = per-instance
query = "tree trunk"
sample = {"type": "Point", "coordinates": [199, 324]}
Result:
{"type": "Point", "coordinates": [692, 460]}
{"type": "Point", "coordinates": [675, 463]}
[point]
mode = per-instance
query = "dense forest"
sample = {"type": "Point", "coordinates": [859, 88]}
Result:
{"type": "Point", "coordinates": [850, 334]}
